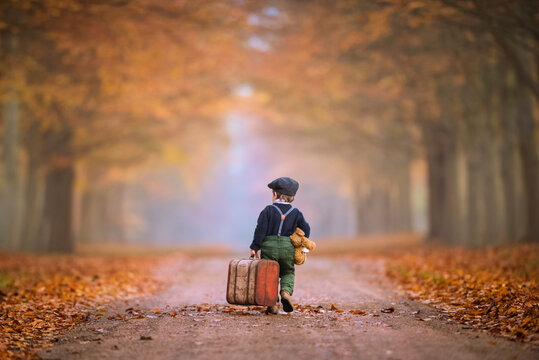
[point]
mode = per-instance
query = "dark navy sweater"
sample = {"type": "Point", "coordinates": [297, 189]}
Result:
{"type": "Point", "coordinates": [269, 220]}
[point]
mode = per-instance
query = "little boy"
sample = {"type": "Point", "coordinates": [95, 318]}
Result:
{"type": "Point", "coordinates": [272, 234]}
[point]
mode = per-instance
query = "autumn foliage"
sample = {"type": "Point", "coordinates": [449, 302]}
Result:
{"type": "Point", "coordinates": [95, 94]}
{"type": "Point", "coordinates": [40, 296]}
{"type": "Point", "coordinates": [494, 289]}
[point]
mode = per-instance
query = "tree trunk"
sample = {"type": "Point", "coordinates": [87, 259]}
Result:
{"type": "Point", "coordinates": [530, 164]}
{"type": "Point", "coordinates": [100, 210]}
{"type": "Point", "coordinates": [509, 170]}
{"type": "Point", "coordinates": [450, 225]}
{"type": "Point", "coordinates": [474, 200]}
{"type": "Point", "coordinates": [436, 174]}
{"type": "Point", "coordinates": [58, 209]}
{"type": "Point", "coordinates": [404, 199]}
{"type": "Point", "coordinates": [85, 225]}
{"type": "Point", "coordinates": [59, 183]}
{"type": "Point", "coordinates": [495, 210]}
{"type": "Point", "coordinates": [12, 178]}
{"type": "Point", "coordinates": [89, 210]}
{"type": "Point", "coordinates": [31, 206]}
{"type": "Point", "coordinates": [115, 211]}
{"type": "Point", "coordinates": [9, 232]}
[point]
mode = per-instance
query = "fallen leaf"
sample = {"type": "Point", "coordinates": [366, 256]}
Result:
{"type": "Point", "coordinates": [489, 289]}
{"type": "Point", "coordinates": [358, 312]}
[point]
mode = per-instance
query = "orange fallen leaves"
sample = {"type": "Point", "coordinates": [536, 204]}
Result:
{"type": "Point", "coordinates": [358, 312]}
{"type": "Point", "coordinates": [493, 289]}
{"type": "Point", "coordinates": [42, 295]}
{"type": "Point", "coordinates": [234, 309]}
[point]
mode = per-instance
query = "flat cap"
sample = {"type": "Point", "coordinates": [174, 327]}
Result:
{"type": "Point", "coordinates": [284, 185]}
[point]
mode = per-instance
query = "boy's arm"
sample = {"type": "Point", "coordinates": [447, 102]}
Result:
{"type": "Point", "coordinates": [304, 225]}
{"type": "Point", "coordinates": [260, 231]}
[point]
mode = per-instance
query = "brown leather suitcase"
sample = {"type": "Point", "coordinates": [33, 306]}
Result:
{"type": "Point", "coordinates": [252, 282]}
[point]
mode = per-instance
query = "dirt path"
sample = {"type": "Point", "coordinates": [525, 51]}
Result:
{"type": "Point", "coordinates": [202, 330]}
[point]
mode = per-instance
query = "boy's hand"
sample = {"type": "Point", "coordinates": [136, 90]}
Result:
{"type": "Point", "coordinates": [253, 253]}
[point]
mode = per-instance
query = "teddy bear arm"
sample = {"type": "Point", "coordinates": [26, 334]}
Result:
{"type": "Point", "coordinates": [308, 244]}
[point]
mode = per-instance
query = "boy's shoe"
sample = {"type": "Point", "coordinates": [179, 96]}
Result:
{"type": "Point", "coordinates": [286, 300]}
{"type": "Point", "coordinates": [274, 310]}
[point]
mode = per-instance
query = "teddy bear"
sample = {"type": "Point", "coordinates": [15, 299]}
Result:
{"type": "Point", "coordinates": [302, 246]}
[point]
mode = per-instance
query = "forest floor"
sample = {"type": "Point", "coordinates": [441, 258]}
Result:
{"type": "Point", "coordinates": [369, 307]}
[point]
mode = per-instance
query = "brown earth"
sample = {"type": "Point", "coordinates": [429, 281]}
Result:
{"type": "Point", "coordinates": [191, 320]}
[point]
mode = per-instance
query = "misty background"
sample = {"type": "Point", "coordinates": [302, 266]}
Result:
{"type": "Point", "coordinates": [162, 122]}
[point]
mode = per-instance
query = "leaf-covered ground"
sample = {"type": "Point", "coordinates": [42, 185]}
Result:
{"type": "Point", "coordinates": [494, 289]}
{"type": "Point", "coordinates": [345, 309]}
{"type": "Point", "coordinates": [43, 295]}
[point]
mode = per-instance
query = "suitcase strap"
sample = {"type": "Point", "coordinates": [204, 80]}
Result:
{"type": "Point", "coordinates": [283, 216]}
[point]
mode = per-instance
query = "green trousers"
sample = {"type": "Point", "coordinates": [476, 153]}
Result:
{"type": "Point", "coordinates": [281, 250]}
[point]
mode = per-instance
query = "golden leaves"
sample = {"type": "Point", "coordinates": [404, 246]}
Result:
{"type": "Point", "coordinates": [492, 289]}
{"type": "Point", "coordinates": [40, 296]}
{"type": "Point", "coordinates": [113, 78]}
{"type": "Point", "coordinates": [358, 312]}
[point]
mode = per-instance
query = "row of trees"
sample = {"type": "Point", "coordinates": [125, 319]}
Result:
{"type": "Point", "coordinates": [87, 86]}
{"type": "Point", "coordinates": [91, 91]}
{"type": "Point", "coordinates": [453, 82]}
